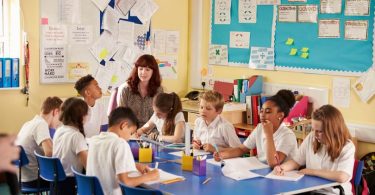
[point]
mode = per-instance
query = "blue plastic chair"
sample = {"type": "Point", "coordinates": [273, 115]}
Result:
{"type": "Point", "coordinates": [138, 191]}
{"type": "Point", "coordinates": [50, 169]}
{"type": "Point", "coordinates": [22, 161]}
{"type": "Point", "coordinates": [87, 184]}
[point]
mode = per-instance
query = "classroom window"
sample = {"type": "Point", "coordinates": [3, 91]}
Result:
{"type": "Point", "coordinates": [10, 32]}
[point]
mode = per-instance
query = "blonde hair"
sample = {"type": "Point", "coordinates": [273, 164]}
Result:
{"type": "Point", "coordinates": [335, 131]}
{"type": "Point", "coordinates": [213, 97]}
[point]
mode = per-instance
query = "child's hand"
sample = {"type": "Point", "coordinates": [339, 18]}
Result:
{"type": "Point", "coordinates": [142, 168]}
{"type": "Point", "coordinates": [197, 144]}
{"type": "Point", "coordinates": [153, 175]}
{"type": "Point", "coordinates": [278, 170]}
{"type": "Point", "coordinates": [208, 148]}
{"type": "Point", "coordinates": [217, 156]}
{"type": "Point", "coordinates": [153, 136]}
{"type": "Point", "coordinates": [267, 128]}
{"type": "Point", "coordinates": [139, 132]}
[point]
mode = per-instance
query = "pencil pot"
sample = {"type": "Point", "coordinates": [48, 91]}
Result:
{"type": "Point", "coordinates": [135, 151]}
{"type": "Point", "coordinates": [145, 155]}
{"type": "Point", "coordinates": [199, 167]}
{"type": "Point", "coordinates": [187, 163]}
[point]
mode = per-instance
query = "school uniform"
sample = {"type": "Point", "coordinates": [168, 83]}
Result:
{"type": "Point", "coordinates": [284, 139]}
{"type": "Point", "coordinates": [220, 132]}
{"type": "Point", "coordinates": [108, 156]}
{"type": "Point", "coordinates": [321, 160]}
{"type": "Point", "coordinates": [97, 116]}
{"type": "Point", "coordinates": [30, 137]}
{"type": "Point", "coordinates": [159, 123]}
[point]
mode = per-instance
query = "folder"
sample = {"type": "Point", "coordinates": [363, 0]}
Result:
{"type": "Point", "coordinates": [224, 88]}
{"type": "Point", "coordinates": [7, 69]}
{"type": "Point", "coordinates": [1, 72]}
{"type": "Point", "coordinates": [15, 72]}
{"type": "Point", "coordinates": [255, 85]}
{"type": "Point", "coordinates": [249, 111]}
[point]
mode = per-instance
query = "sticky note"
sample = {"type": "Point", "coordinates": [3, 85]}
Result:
{"type": "Point", "coordinates": [103, 53]}
{"type": "Point", "coordinates": [114, 79]}
{"type": "Point", "coordinates": [305, 49]}
{"type": "Point", "coordinates": [44, 21]}
{"type": "Point", "coordinates": [305, 55]}
{"type": "Point", "coordinates": [289, 41]}
{"type": "Point", "coordinates": [293, 52]}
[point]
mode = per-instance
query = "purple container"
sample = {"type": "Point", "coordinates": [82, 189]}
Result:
{"type": "Point", "coordinates": [199, 167]}
{"type": "Point", "coordinates": [135, 151]}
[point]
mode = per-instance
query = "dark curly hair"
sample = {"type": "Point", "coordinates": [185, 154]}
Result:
{"type": "Point", "coordinates": [82, 83]}
{"type": "Point", "coordinates": [155, 80]}
{"type": "Point", "coordinates": [284, 100]}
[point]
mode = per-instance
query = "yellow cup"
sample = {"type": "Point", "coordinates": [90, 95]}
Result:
{"type": "Point", "coordinates": [187, 163]}
{"type": "Point", "coordinates": [145, 155]}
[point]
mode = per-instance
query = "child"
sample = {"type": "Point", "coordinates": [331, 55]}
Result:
{"type": "Point", "coordinates": [326, 152]}
{"type": "Point", "coordinates": [89, 89]}
{"type": "Point", "coordinates": [167, 118]}
{"type": "Point", "coordinates": [271, 137]}
{"type": "Point", "coordinates": [69, 144]}
{"type": "Point", "coordinates": [34, 136]}
{"type": "Point", "coordinates": [210, 128]}
{"type": "Point", "coordinates": [110, 158]}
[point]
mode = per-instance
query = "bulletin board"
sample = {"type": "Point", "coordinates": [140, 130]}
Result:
{"type": "Point", "coordinates": [326, 55]}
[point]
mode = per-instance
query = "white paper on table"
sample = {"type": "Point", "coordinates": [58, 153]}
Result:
{"type": "Point", "coordinates": [248, 163]}
{"type": "Point", "coordinates": [195, 153]}
{"type": "Point", "coordinates": [104, 75]}
{"type": "Point", "coordinates": [247, 11]}
{"type": "Point", "coordinates": [159, 41]}
{"type": "Point", "coordinates": [163, 176]}
{"type": "Point", "coordinates": [70, 12]}
{"type": "Point", "coordinates": [105, 47]}
{"type": "Point", "coordinates": [172, 42]}
{"type": "Point", "coordinates": [287, 13]}
{"type": "Point", "coordinates": [125, 32]}
{"type": "Point", "coordinates": [101, 4]}
{"type": "Point", "coordinates": [80, 34]}
{"type": "Point", "coordinates": [288, 175]}
{"type": "Point", "coordinates": [144, 9]}
{"type": "Point", "coordinates": [237, 174]}
{"type": "Point", "coordinates": [110, 21]}
{"type": "Point", "coordinates": [330, 6]}
{"type": "Point", "coordinates": [341, 92]}
{"type": "Point", "coordinates": [124, 5]}
{"type": "Point", "coordinates": [239, 39]}
{"type": "Point", "coordinates": [222, 11]}
{"type": "Point", "coordinates": [365, 85]}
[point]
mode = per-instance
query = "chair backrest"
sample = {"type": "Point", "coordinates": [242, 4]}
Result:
{"type": "Point", "coordinates": [138, 191]}
{"type": "Point", "coordinates": [357, 175]}
{"type": "Point", "coordinates": [50, 168]}
{"type": "Point", "coordinates": [23, 160]}
{"type": "Point", "coordinates": [87, 184]}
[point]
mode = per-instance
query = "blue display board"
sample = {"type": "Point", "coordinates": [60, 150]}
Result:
{"type": "Point", "coordinates": [325, 54]}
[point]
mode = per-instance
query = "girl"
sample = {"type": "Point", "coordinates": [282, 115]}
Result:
{"type": "Point", "coordinates": [326, 152]}
{"type": "Point", "coordinates": [69, 144]}
{"type": "Point", "coordinates": [167, 118]}
{"type": "Point", "coordinates": [271, 136]}
{"type": "Point", "coordinates": [142, 85]}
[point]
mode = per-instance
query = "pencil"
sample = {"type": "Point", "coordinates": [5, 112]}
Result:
{"type": "Point", "coordinates": [172, 181]}
{"type": "Point", "coordinates": [207, 180]}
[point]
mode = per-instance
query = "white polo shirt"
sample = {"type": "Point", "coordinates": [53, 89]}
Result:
{"type": "Point", "coordinates": [321, 160]}
{"type": "Point", "coordinates": [97, 116]}
{"type": "Point", "coordinates": [115, 157]}
{"type": "Point", "coordinates": [160, 122]}
{"type": "Point", "coordinates": [219, 132]}
{"type": "Point", "coordinates": [67, 143]}
{"type": "Point", "coordinates": [284, 139]}
{"type": "Point", "coordinates": [30, 137]}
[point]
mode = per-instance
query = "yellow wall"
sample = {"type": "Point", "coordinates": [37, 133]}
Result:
{"type": "Point", "coordinates": [172, 15]}
{"type": "Point", "coordinates": [358, 112]}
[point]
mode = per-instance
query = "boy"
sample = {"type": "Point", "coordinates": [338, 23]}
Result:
{"type": "Point", "coordinates": [210, 128]}
{"type": "Point", "coordinates": [110, 158]}
{"type": "Point", "coordinates": [34, 135]}
{"type": "Point", "coordinates": [97, 120]}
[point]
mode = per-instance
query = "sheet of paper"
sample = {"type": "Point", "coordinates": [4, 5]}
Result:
{"type": "Point", "coordinates": [268, 2]}
{"type": "Point", "coordinates": [330, 6]}
{"type": "Point", "coordinates": [341, 92]}
{"type": "Point", "coordinates": [249, 163]}
{"type": "Point", "coordinates": [287, 13]}
{"type": "Point", "coordinates": [105, 47]}
{"type": "Point", "coordinates": [140, 35]}
{"type": "Point", "coordinates": [172, 42]}
{"type": "Point", "coordinates": [131, 54]}
{"type": "Point", "coordinates": [121, 74]}
{"type": "Point", "coordinates": [289, 176]}
{"type": "Point", "coordinates": [124, 5]}
{"type": "Point", "coordinates": [110, 21]}
{"type": "Point", "coordinates": [218, 55]}
{"type": "Point", "coordinates": [239, 39]}
{"type": "Point", "coordinates": [357, 7]}
{"type": "Point", "coordinates": [144, 9]}
{"type": "Point", "coordinates": [53, 64]}
{"type": "Point", "coordinates": [104, 75]}
{"type": "Point", "coordinates": [125, 32]}
{"type": "Point", "coordinates": [307, 13]}
{"type": "Point", "coordinates": [195, 152]}
{"type": "Point", "coordinates": [101, 4]}
{"type": "Point", "coordinates": [54, 34]}
{"type": "Point", "coordinates": [237, 174]}
{"type": "Point", "coordinates": [247, 11]}
{"type": "Point", "coordinates": [164, 176]}
{"type": "Point", "coordinates": [77, 70]}
{"type": "Point", "coordinates": [168, 66]}
{"type": "Point", "coordinates": [262, 58]}
{"type": "Point", "coordinates": [329, 28]}
{"type": "Point", "coordinates": [159, 41]}
{"type": "Point", "coordinates": [356, 29]}
{"type": "Point", "coordinates": [80, 34]}
{"type": "Point", "coordinates": [70, 12]}
{"type": "Point", "coordinates": [365, 85]}
{"type": "Point", "coordinates": [222, 11]}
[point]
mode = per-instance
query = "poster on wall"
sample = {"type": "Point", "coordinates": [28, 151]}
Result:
{"type": "Point", "coordinates": [356, 29]}
{"type": "Point", "coordinates": [329, 28]}
{"type": "Point", "coordinates": [330, 6]}
{"type": "Point", "coordinates": [53, 62]}
{"type": "Point", "coordinates": [357, 7]}
{"type": "Point", "coordinates": [287, 13]}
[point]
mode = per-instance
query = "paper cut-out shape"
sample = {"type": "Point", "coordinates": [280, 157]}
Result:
{"type": "Point", "coordinates": [305, 49]}
{"type": "Point", "coordinates": [290, 41]}
{"type": "Point", "coordinates": [293, 52]}
{"type": "Point", "coordinates": [305, 55]}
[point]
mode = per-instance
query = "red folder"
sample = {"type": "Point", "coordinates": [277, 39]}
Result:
{"type": "Point", "coordinates": [224, 88]}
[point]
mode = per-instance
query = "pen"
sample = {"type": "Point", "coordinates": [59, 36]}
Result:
{"type": "Point", "coordinates": [206, 180]}
{"type": "Point", "coordinates": [156, 165]}
{"type": "Point", "coordinates": [221, 159]}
